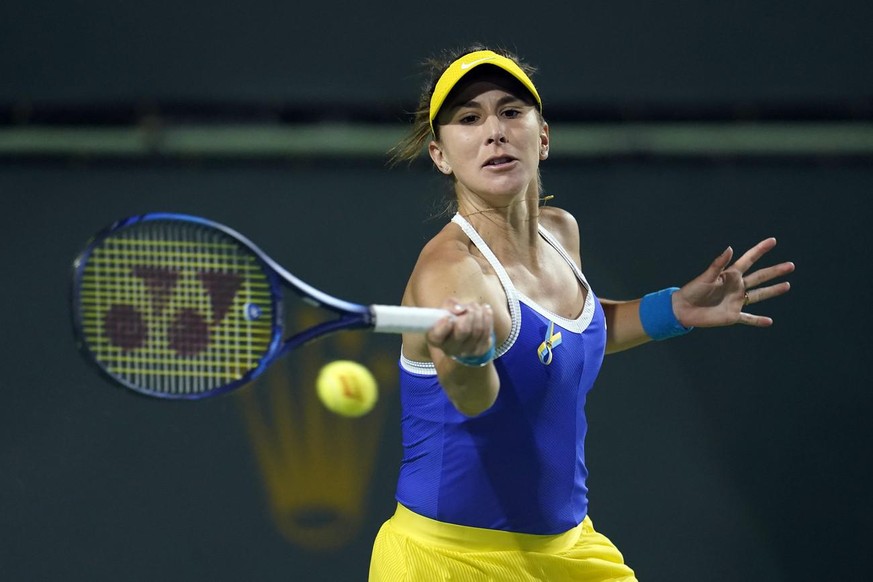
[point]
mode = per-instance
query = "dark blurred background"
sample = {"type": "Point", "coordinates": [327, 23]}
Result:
{"type": "Point", "coordinates": [677, 128]}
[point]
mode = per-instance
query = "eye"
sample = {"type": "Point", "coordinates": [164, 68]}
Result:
{"type": "Point", "coordinates": [468, 118]}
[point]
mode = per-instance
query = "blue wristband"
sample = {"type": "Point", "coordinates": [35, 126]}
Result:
{"type": "Point", "coordinates": [657, 317]}
{"type": "Point", "coordinates": [478, 361]}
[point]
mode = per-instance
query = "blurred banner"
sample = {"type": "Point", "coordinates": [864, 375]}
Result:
{"type": "Point", "coordinates": [317, 467]}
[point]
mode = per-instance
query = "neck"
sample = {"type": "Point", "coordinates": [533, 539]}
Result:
{"type": "Point", "coordinates": [511, 230]}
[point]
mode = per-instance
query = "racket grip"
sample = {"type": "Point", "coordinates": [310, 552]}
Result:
{"type": "Point", "coordinates": [397, 319]}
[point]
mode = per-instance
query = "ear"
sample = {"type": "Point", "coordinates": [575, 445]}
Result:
{"type": "Point", "coordinates": [544, 141]}
{"type": "Point", "coordinates": [439, 158]}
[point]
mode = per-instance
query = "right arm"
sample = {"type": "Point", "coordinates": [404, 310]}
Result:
{"type": "Point", "coordinates": [447, 276]}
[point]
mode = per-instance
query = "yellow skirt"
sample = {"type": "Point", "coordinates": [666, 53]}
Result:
{"type": "Point", "coordinates": [414, 548]}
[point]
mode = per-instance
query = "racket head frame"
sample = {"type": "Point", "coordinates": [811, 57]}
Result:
{"type": "Point", "coordinates": [351, 315]}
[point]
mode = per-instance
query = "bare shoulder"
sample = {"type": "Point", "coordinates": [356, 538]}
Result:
{"type": "Point", "coordinates": [446, 267]}
{"type": "Point", "coordinates": [563, 226]}
{"type": "Point", "coordinates": [450, 268]}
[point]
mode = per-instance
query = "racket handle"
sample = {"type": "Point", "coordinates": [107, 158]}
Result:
{"type": "Point", "coordinates": [396, 319]}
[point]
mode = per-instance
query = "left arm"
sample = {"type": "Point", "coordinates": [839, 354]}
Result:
{"type": "Point", "coordinates": [715, 298]}
{"type": "Point", "coordinates": [624, 330]}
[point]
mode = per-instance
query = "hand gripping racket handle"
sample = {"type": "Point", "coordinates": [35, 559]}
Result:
{"type": "Point", "coordinates": [396, 319]}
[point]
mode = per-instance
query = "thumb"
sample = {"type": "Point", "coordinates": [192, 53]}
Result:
{"type": "Point", "coordinates": [718, 265]}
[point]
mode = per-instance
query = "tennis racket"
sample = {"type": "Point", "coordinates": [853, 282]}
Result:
{"type": "Point", "coordinates": [181, 307]}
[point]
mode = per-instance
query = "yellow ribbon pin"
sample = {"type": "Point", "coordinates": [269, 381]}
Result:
{"type": "Point", "coordinates": [552, 340]}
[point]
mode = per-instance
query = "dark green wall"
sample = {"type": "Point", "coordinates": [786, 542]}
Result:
{"type": "Point", "coordinates": [734, 454]}
{"type": "Point", "coordinates": [690, 54]}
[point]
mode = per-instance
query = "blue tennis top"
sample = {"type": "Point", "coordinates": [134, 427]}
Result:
{"type": "Point", "coordinates": [520, 465]}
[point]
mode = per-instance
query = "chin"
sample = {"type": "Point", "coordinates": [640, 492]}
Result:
{"type": "Point", "coordinates": [509, 187]}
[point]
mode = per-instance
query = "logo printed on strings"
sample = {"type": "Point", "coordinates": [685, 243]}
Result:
{"type": "Point", "coordinates": [188, 331]}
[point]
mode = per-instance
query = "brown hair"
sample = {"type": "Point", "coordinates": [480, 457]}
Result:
{"type": "Point", "coordinates": [411, 146]}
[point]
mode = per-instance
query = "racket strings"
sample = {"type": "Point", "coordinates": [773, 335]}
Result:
{"type": "Point", "coordinates": [167, 307]}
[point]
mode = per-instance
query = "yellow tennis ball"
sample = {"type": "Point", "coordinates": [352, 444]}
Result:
{"type": "Point", "coordinates": [347, 388]}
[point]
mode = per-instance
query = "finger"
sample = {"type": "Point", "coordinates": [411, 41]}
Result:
{"type": "Point", "coordinates": [764, 275]}
{"type": "Point", "coordinates": [454, 306]}
{"type": "Point", "coordinates": [440, 331]}
{"type": "Point", "coordinates": [751, 256]}
{"type": "Point", "coordinates": [488, 319]}
{"type": "Point", "coordinates": [718, 265]}
{"type": "Point", "coordinates": [755, 320]}
{"type": "Point", "coordinates": [479, 339]}
{"type": "Point", "coordinates": [764, 293]}
{"type": "Point", "coordinates": [486, 328]}
{"type": "Point", "coordinates": [465, 334]}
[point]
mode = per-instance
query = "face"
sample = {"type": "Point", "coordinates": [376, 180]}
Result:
{"type": "Point", "coordinates": [492, 141]}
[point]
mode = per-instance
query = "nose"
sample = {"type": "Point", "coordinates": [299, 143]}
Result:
{"type": "Point", "coordinates": [495, 129]}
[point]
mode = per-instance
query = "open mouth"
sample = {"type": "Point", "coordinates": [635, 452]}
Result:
{"type": "Point", "coordinates": [499, 161]}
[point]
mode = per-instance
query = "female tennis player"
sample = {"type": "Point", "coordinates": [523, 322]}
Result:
{"type": "Point", "coordinates": [492, 481]}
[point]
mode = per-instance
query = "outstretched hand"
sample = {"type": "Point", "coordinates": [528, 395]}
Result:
{"type": "Point", "coordinates": [718, 296]}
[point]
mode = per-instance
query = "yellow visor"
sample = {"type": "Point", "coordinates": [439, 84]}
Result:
{"type": "Point", "coordinates": [456, 71]}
